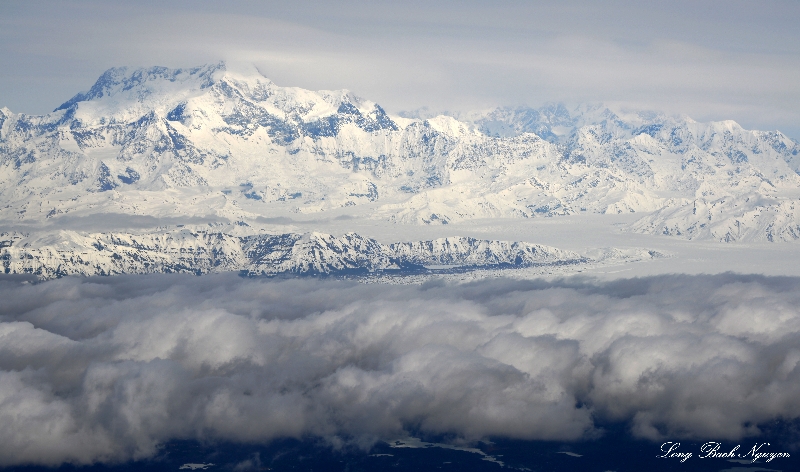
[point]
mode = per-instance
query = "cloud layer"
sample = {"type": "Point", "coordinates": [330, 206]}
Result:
{"type": "Point", "coordinates": [106, 369]}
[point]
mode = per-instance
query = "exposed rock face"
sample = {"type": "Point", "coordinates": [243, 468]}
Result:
{"type": "Point", "coordinates": [212, 142]}
{"type": "Point", "coordinates": [199, 252]}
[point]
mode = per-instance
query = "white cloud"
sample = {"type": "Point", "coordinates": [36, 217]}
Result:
{"type": "Point", "coordinates": [109, 368]}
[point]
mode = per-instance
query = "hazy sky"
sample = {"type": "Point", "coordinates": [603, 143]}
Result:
{"type": "Point", "coordinates": [709, 59]}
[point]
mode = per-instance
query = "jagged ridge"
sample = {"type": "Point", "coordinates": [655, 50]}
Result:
{"type": "Point", "coordinates": [202, 251]}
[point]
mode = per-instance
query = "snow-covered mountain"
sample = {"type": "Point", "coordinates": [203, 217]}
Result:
{"type": "Point", "coordinates": [201, 251]}
{"type": "Point", "coordinates": [233, 146]}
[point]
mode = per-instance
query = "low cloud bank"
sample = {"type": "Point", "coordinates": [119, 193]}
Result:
{"type": "Point", "coordinates": [106, 369]}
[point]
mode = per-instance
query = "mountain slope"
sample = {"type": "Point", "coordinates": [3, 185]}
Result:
{"type": "Point", "coordinates": [233, 146]}
{"type": "Point", "coordinates": [201, 251]}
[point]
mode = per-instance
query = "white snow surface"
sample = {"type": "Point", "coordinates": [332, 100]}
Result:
{"type": "Point", "coordinates": [230, 147]}
{"type": "Point", "coordinates": [198, 251]}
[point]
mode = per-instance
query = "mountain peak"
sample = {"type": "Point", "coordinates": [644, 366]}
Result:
{"type": "Point", "coordinates": [122, 79]}
{"type": "Point", "coordinates": [223, 139]}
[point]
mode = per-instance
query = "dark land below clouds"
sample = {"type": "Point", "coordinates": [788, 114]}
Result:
{"type": "Point", "coordinates": [615, 451]}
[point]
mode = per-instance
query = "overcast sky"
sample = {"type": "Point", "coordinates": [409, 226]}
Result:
{"type": "Point", "coordinates": [709, 59]}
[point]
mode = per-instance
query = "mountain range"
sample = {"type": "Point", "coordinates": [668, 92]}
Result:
{"type": "Point", "coordinates": [231, 147]}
